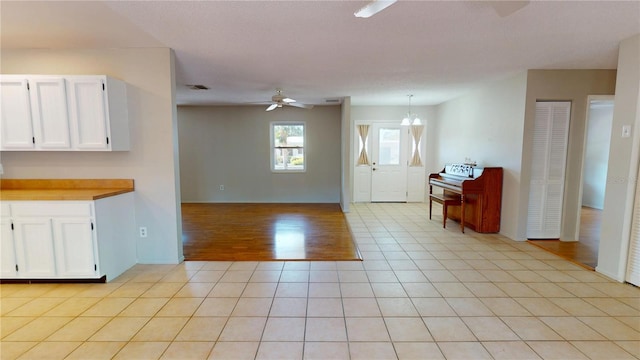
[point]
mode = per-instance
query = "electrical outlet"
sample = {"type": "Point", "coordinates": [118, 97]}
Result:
{"type": "Point", "coordinates": [143, 231]}
{"type": "Point", "coordinates": [626, 131]}
{"type": "Point", "coordinates": [222, 187]}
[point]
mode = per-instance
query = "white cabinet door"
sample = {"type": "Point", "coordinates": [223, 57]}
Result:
{"type": "Point", "coordinates": [7, 250]}
{"type": "Point", "coordinates": [16, 126]}
{"type": "Point", "coordinates": [49, 113]}
{"type": "Point", "coordinates": [88, 112]}
{"type": "Point", "coordinates": [75, 248]}
{"type": "Point", "coordinates": [34, 247]}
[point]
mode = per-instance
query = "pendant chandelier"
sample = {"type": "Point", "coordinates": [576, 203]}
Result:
{"type": "Point", "coordinates": [410, 118]}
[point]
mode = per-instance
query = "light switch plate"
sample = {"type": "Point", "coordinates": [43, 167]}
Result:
{"type": "Point", "coordinates": [626, 131]}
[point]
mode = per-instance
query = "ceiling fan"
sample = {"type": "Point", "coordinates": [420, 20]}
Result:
{"type": "Point", "coordinates": [502, 8]}
{"type": "Point", "coordinates": [278, 100]}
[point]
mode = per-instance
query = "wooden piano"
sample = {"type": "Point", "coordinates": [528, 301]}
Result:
{"type": "Point", "coordinates": [479, 191]}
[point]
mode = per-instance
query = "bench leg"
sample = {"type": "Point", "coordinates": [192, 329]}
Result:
{"type": "Point", "coordinates": [430, 204]}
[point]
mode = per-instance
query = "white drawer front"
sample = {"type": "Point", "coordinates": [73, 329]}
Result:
{"type": "Point", "coordinates": [4, 209]}
{"type": "Point", "coordinates": [51, 208]}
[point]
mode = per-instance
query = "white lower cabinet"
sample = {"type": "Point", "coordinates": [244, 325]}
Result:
{"type": "Point", "coordinates": [62, 239]}
{"type": "Point", "coordinates": [75, 246]}
{"type": "Point", "coordinates": [7, 249]}
{"type": "Point", "coordinates": [33, 241]}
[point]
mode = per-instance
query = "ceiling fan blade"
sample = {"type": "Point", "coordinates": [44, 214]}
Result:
{"type": "Point", "coordinates": [373, 8]}
{"type": "Point", "coordinates": [299, 105]}
{"type": "Point", "coordinates": [506, 8]}
{"type": "Point", "coordinates": [288, 100]}
{"type": "Point", "coordinates": [271, 107]}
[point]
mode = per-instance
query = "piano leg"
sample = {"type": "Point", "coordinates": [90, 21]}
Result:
{"type": "Point", "coordinates": [462, 213]}
{"type": "Point", "coordinates": [430, 200]}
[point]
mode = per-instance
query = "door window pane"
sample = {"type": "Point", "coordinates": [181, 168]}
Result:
{"type": "Point", "coordinates": [389, 146]}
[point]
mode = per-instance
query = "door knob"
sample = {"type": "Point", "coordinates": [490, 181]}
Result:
{"type": "Point", "coordinates": [374, 169]}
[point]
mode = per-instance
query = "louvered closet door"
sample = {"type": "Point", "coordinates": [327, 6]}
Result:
{"type": "Point", "coordinates": [633, 265]}
{"type": "Point", "coordinates": [550, 138]}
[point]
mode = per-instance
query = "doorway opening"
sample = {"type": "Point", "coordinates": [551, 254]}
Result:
{"type": "Point", "coordinates": [597, 142]}
{"type": "Point", "coordinates": [594, 176]}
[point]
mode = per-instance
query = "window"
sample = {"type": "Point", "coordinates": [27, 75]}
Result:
{"type": "Point", "coordinates": [389, 146]}
{"type": "Point", "coordinates": [287, 144]}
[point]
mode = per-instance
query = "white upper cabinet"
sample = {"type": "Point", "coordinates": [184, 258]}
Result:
{"type": "Point", "coordinates": [49, 113]}
{"type": "Point", "coordinates": [98, 113]}
{"type": "Point", "coordinates": [63, 113]}
{"type": "Point", "coordinates": [15, 107]}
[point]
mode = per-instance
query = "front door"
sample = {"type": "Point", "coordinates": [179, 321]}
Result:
{"type": "Point", "coordinates": [389, 162]}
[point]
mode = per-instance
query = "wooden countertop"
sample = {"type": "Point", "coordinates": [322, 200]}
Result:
{"type": "Point", "coordinates": [62, 189]}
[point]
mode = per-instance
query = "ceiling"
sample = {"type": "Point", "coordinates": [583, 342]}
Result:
{"type": "Point", "coordinates": [318, 50]}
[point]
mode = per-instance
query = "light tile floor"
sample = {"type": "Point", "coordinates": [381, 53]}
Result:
{"type": "Point", "coordinates": [422, 292]}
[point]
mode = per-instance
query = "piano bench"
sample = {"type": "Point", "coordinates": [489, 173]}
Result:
{"type": "Point", "coordinates": [445, 201]}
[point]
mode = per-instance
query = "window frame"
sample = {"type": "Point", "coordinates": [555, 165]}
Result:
{"type": "Point", "coordinates": [273, 147]}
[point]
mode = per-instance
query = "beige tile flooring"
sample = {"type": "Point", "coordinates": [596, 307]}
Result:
{"type": "Point", "coordinates": [422, 292]}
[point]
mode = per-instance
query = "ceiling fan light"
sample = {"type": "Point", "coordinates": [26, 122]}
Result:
{"type": "Point", "coordinates": [416, 121]}
{"type": "Point", "coordinates": [373, 8]}
{"type": "Point", "coordinates": [406, 121]}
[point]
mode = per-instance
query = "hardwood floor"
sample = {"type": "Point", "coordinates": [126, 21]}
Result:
{"type": "Point", "coordinates": [585, 250]}
{"type": "Point", "coordinates": [262, 232]}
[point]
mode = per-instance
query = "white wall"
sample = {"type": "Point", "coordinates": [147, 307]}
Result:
{"type": "Point", "coordinates": [562, 85]}
{"type": "Point", "coordinates": [230, 146]}
{"type": "Point", "coordinates": [486, 125]}
{"type": "Point", "coordinates": [623, 164]}
{"type": "Point", "coordinates": [596, 155]}
{"type": "Point", "coordinates": [151, 162]}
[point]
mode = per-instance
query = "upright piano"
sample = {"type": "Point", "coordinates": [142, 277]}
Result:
{"type": "Point", "coordinates": [480, 192]}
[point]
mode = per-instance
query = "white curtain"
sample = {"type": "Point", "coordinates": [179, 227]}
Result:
{"type": "Point", "coordinates": [363, 130]}
{"type": "Point", "coordinates": [416, 131]}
